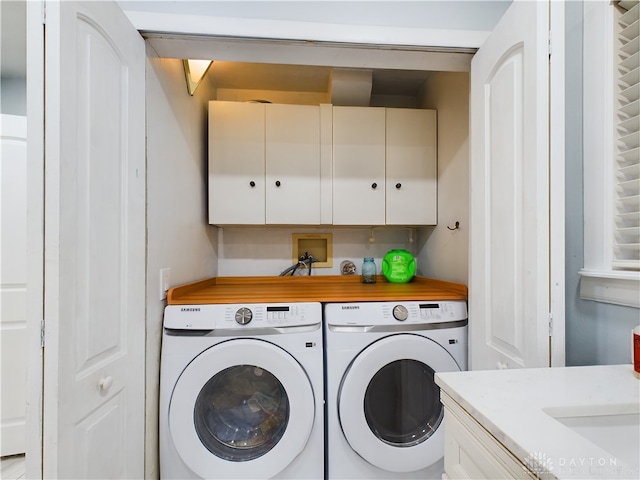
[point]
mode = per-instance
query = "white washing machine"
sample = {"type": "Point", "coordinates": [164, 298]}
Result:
{"type": "Point", "coordinates": [384, 416]}
{"type": "Point", "coordinates": [241, 392]}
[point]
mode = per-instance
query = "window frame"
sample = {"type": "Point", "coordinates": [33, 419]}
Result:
{"type": "Point", "coordinates": [599, 281]}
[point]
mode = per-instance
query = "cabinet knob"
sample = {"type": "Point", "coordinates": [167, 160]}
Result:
{"type": "Point", "coordinates": [252, 184]}
{"type": "Point", "coordinates": [277, 183]}
{"type": "Point", "coordinates": [374, 185]}
{"type": "Point", "coordinates": [398, 186]}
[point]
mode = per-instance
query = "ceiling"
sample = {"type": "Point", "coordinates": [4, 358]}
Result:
{"type": "Point", "coordinates": [453, 15]}
{"type": "Point", "coordinates": [317, 79]}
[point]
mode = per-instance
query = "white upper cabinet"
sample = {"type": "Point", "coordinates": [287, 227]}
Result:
{"type": "Point", "coordinates": [264, 164]}
{"type": "Point", "coordinates": [411, 167]}
{"type": "Point", "coordinates": [385, 166]}
{"type": "Point", "coordinates": [358, 165]}
{"type": "Point", "coordinates": [292, 164]}
{"type": "Point", "coordinates": [236, 163]}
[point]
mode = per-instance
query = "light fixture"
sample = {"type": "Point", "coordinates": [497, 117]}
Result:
{"type": "Point", "coordinates": [194, 72]}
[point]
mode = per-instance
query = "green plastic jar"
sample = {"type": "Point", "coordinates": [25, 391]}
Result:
{"type": "Point", "coordinates": [398, 266]}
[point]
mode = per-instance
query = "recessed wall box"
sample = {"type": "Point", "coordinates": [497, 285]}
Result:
{"type": "Point", "coordinates": [318, 245]}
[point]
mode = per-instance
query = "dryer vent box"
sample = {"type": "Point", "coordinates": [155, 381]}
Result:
{"type": "Point", "coordinates": [318, 245]}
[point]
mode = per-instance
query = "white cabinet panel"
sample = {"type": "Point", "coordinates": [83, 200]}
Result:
{"type": "Point", "coordinates": [264, 164]}
{"type": "Point", "coordinates": [385, 166]}
{"type": "Point", "coordinates": [411, 167]}
{"type": "Point", "coordinates": [471, 452]}
{"type": "Point", "coordinates": [236, 163]}
{"type": "Point", "coordinates": [292, 164]}
{"type": "Point", "coordinates": [358, 166]}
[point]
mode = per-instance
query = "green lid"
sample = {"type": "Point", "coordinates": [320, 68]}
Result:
{"type": "Point", "coordinates": [398, 266]}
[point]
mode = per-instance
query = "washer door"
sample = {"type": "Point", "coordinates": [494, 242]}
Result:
{"type": "Point", "coordinates": [389, 405]}
{"type": "Point", "coordinates": [243, 408]}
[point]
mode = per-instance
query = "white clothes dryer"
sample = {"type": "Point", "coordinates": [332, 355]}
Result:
{"type": "Point", "coordinates": [383, 407]}
{"type": "Point", "coordinates": [241, 392]}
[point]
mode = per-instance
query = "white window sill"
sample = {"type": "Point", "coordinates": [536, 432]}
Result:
{"type": "Point", "coordinates": [608, 286]}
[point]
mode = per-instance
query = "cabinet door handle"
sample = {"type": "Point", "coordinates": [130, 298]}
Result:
{"type": "Point", "coordinates": [374, 185]}
{"type": "Point", "coordinates": [398, 186]}
{"type": "Point", "coordinates": [105, 383]}
{"type": "Point", "coordinates": [252, 184]}
{"type": "Point", "coordinates": [277, 183]}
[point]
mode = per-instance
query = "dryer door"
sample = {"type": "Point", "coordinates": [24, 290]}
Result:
{"type": "Point", "coordinates": [389, 405]}
{"type": "Point", "coordinates": [243, 408]}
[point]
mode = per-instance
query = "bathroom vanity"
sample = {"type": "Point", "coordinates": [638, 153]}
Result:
{"type": "Point", "coordinates": [570, 422]}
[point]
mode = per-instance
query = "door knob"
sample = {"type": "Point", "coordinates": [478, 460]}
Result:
{"type": "Point", "coordinates": [105, 383]}
{"type": "Point", "coordinates": [277, 183]}
{"type": "Point", "coordinates": [374, 185]}
{"type": "Point", "coordinates": [252, 183]}
{"type": "Point", "coordinates": [398, 185]}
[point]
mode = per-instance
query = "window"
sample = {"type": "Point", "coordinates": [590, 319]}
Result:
{"type": "Point", "coordinates": [611, 153]}
{"type": "Point", "coordinates": [626, 245]}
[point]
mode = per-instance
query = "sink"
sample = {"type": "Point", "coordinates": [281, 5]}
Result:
{"type": "Point", "coordinates": [616, 430]}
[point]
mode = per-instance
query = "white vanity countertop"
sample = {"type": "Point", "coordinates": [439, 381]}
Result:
{"type": "Point", "coordinates": [516, 407]}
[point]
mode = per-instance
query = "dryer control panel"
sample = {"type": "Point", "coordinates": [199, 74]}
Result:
{"type": "Point", "coordinates": [241, 316]}
{"type": "Point", "coordinates": [393, 313]}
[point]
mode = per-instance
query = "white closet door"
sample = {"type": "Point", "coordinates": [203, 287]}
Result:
{"type": "Point", "coordinates": [13, 286]}
{"type": "Point", "coordinates": [509, 211]}
{"type": "Point", "coordinates": [94, 305]}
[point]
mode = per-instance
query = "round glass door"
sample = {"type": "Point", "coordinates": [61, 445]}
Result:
{"type": "Point", "coordinates": [402, 403]}
{"type": "Point", "coordinates": [243, 408]}
{"type": "Point", "coordinates": [241, 413]}
{"type": "Point", "coordinates": [389, 405]}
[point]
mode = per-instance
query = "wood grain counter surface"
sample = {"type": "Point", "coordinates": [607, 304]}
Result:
{"type": "Point", "coordinates": [321, 288]}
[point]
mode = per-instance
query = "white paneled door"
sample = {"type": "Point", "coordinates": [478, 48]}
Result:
{"type": "Point", "coordinates": [13, 287]}
{"type": "Point", "coordinates": [510, 258]}
{"type": "Point", "coordinates": [94, 269]}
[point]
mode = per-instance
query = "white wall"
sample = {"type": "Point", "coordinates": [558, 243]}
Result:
{"type": "Point", "coordinates": [178, 236]}
{"type": "Point", "coordinates": [268, 251]}
{"type": "Point", "coordinates": [444, 253]}
{"type": "Point", "coordinates": [596, 333]}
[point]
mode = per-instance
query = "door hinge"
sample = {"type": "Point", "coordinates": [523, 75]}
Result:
{"type": "Point", "coordinates": [44, 12]}
{"type": "Point", "coordinates": [42, 333]}
{"type": "Point", "coordinates": [550, 324]}
{"type": "Point", "coordinates": [549, 43]}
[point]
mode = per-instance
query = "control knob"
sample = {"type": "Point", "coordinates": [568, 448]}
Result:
{"type": "Point", "coordinates": [400, 313]}
{"type": "Point", "coordinates": [244, 316]}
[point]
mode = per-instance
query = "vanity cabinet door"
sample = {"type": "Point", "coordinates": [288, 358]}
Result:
{"type": "Point", "coordinates": [471, 452]}
{"type": "Point", "coordinates": [358, 166]}
{"type": "Point", "coordinates": [292, 181]}
{"type": "Point", "coordinates": [411, 167]}
{"type": "Point", "coordinates": [236, 163]}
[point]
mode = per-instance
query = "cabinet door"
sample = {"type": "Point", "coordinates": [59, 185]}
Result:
{"type": "Point", "coordinates": [358, 166]}
{"type": "Point", "coordinates": [236, 163]}
{"type": "Point", "coordinates": [292, 164]}
{"type": "Point", "coordinates": [411, 167]}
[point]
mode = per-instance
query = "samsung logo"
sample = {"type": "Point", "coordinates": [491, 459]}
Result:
{"type": "Point", "coordinates": [350, 307]}
{"type": "Point", "coordinates": [190, 309]}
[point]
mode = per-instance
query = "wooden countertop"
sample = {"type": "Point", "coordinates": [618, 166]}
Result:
{"type": "Point", "coordinates": [321, 288]}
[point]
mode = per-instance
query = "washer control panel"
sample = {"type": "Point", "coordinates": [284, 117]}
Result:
{"type": "Point", "coordinates": [241, 316]}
